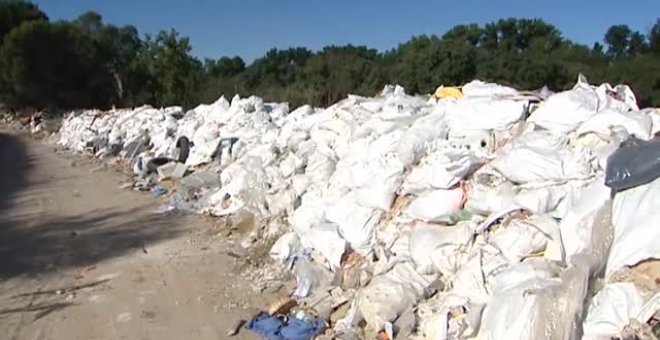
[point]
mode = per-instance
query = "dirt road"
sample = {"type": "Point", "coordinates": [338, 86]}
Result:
{"type": "Point", "coordinates": [81, 258]}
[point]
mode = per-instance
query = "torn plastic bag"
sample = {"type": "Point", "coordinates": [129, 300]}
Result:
{"type": "Point", "coordinates": [356, 223]}
{"type": "Point", "coordinates": [531, 270]}
{"type": "Point", "coordinates": [412, 145]}
{"type": "Point", "coordinates": [612, 309]}
{"type": "Point", "coordinates": [290, 165]}
{"type": "Point", "coordinates": [437, 249]}
{"type": "Point", "coordinates": [637, 162]}
{"type": "Point", "coordinates": [542, 200]}
{"type": "Point", "coordinates": [539, 157]}
{"type": "Point", "coordinates": [516, 312]}
{"type": "Point", "coordinates": [522, 238]}
{"type": "Point", "coordinates": [476, 269]}
{"type": "Point", "coordinates": [489, 193]}
{"type": "Point", "coordinates": [299, 184]}
{"type": "Point", "coordinates": [447, 316]}
{"type": "Point", "coordinates": [437, 206]}
{"type": "Point", "coordinates": [319, 167]}
{"type": "Point", "coordinates": [636, 123]}
{"type": "Point", "coordinates": [563, 112]}
{"type": "Point", "coordinates": [654, 113]}
{"type": "Point", "coordinates": [389, 295]}
{"type": "Point", "coordinates": [587, 225]}
{"type": "Point", "coordinates": [613, 143]}
{"type": "Point", "coordinates": [307, 215]}
{"type": "Point", "coordinates": [325, 239]}
{"type": "Point", "coordinates": [282, 202]}
{"type": "Point", "coordinates": [310, 276]}
{"type": "Point", "coordinates": [620, 98]}
{"type": "Point", "coordinates": [385, 177]}
{"type": "Point", "coordinates": [534, 301]}
{"type": "Point", "coordinates": [634, 216]}
{"type": "Point", "coordinates": [441, 169]}
{"type": "Point", "coordinates": [285, 247]}
{"type": "Point", "coordinates": [244, 189]}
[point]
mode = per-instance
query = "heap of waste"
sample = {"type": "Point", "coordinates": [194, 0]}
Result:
{"type": "Point", "coordinates": [480, 212]}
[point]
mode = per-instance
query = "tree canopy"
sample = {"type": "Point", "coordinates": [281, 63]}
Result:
{"type": "Point", "coordinates": [88, 63]}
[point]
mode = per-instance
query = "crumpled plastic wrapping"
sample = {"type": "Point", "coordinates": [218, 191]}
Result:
{"type": "Point", "coordinates": [508, 212]}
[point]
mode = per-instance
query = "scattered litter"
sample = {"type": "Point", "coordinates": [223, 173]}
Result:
{"type": "Point", "coordinates": [236, 327]}
{"type": "Point", "coordinates": [158, 191]}
{"type": "Point", "coordinates": [296, 325]}
{"type": "Point", "coordinates": [481, 211]}
{"type": "Point", "coordinates": [127, 185]}
{"type": "Point", "coordinates": [172, 170]}
{"type": "Point", "coordinates": [155, 163]}
{"type": "Point", "coordinates": [98, 168]}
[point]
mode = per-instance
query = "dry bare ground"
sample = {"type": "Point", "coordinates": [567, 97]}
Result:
{"type": "Point", "coordinates": [81, 258]}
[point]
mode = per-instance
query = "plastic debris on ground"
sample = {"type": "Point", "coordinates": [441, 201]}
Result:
{"type": "Point", "coordinates": [479, 212]}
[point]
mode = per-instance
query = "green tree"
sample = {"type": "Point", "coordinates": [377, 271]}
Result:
{"type": "Point", "coordinates": [654, 37]}
{"type": "Point", "coordinates": [637, 44]}
{"type": "Point", "coordinates": [470, 34]}
{"type": "Point", "coordinates": [617, 39]}
{"type": "Point", "coordinates": [118, 47]}
{"type": "Point", "coordinates": [277, 67]}
{"type": "Point", "coordinates": [224, 67]}
{"type": "Point", "coordinates": [337, 71]}
{"type": "Point", "coordinates": [177, 75]}
{"type": "Point", "coordinates": [52, 66]}
{"type": "Point", "coordinates": [15, 12]}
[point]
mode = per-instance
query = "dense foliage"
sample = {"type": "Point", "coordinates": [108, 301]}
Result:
{"type": "Point", "coordinates": [88, 63]}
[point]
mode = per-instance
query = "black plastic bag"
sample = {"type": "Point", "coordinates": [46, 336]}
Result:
{"type": "Point", "coordinates": [635, 163]}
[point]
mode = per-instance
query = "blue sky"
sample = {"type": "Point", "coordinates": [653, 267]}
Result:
{"type": "Point", "coordinates": [248, 28]}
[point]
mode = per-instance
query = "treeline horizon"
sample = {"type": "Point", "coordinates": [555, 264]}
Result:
{"type": "Point", "coordinates": [88, 63]}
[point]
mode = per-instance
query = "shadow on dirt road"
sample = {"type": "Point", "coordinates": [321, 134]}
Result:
{"type": "Point", "coordinates": [15, 165]}
{"type": "Point", "coordinates": [47, 241]}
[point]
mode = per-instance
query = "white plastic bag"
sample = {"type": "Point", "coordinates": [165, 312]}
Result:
{"type": "Point", "coordinates": [485, 197]}
{"type": "Point", "coordinates": [437, 205]}
{"type": "Point", "coordinates": [413, 143]}
{"type": "Point", "coordinates": [436, 249]}
{"type": "Point", "coordinates": [587, 227]}
{"type": "Point", "coordinates": [287, 245]}
{"type": "Point", "coordinates": [541, 200]}
{"type": "Point", "coordinates": [307, 215]}
{"type": "Point", "coordinates": [540, 158]}
{"type": "Point", "coordinates": [533, 301]}
{"type": "Point", "coordinates": [565, 111]}
{"type": "Point", "coordinates": [384, 176]}
{"type": "Point", "coordinates": [356, 223]}
{"type": "Point", "coordinates": [611, 310]}
{"type": "Point", "coordinates": [441, 169]}
{"type": "Point", "coordinates": [389, 295]}
{"type": "Point", "coordinates": [634, 215]}
{"type": "Point", "coordinates": [636, 123]}
{"type": "Point", "coordinates": [319, 167]}
{"type": "Point", "coordinates": [484, 114]}
{"type": "Point", "coordinates": [478, 88]}
{"type": "Point", "coordinates": [310, 276]}
{"type": "Point", "coordinates": [522, 238]}
{"type": "Point", "coordinates": [325, 239]}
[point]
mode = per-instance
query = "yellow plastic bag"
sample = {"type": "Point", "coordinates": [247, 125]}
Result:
{"type": "Point", "coordinates": [448, 92]}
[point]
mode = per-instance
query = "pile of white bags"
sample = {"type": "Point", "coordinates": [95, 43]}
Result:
{"type": "Point", "coordinates": [507, 209]}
